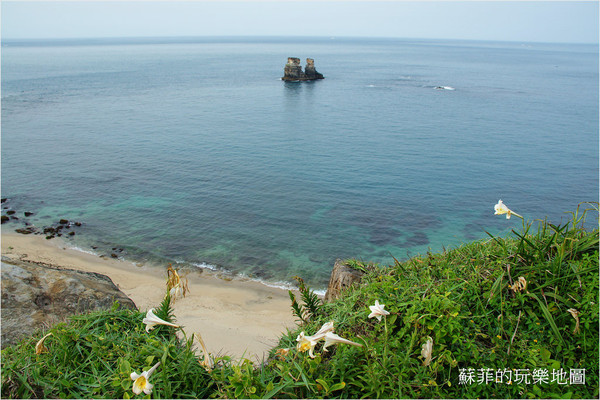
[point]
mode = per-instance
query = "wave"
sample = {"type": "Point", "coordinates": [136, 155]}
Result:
{"type": "Point", "coordinates": [444, 88]}
{"type": "Point", "coordinates": [204, 265]}
{"type": "Point", "coordinates": [79, 249]}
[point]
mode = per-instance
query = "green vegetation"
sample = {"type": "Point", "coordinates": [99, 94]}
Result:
{"type": "Point", "coordinates": [93, 355]}
{"type": "Point", "coordinates": [513, 317]}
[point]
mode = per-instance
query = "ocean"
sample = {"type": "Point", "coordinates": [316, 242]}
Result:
{"type": "Point", "coordinates": [192, 151]}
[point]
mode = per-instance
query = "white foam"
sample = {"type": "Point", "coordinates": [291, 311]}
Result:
{"type": "Point", "coordinates": [205, 266]}
{"type": "Point", "coordinates": [283, 285]}
{"type": "Point", "coordinates": [444, 88]}
{"type": "Point", "coordinates": [79, 249]}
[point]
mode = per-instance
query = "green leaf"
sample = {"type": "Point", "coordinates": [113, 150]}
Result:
{"type": "Point", "coordinates": [496, 286]}
{"type": "Point", "coordinates": [125, 367]}
{"type": "Point", "coordinates": [238, 392]}
{"type": "Point", "coordinates": [274, 391]}
{"type": "Point", "coordinates": [324, 384]}
{"type": "Point", "coordinates": [545, 353]}
{"type": "Point", "coordinates": [548, 316]}
{"type": "Point", "coordinates": [338, 386]}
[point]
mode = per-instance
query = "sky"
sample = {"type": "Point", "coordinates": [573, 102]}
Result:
{"type": "Point", "coordinates": [523, 21]}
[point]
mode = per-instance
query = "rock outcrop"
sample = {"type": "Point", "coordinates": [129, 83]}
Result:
{"type": "Point", "coordinates": [342, 277]}
{"type": "Point", "coordinates": [293, 70]}
{"type": "Point", "coordinates": [35, 296]}
{"type": "Point", "coordinates": [310, 71]}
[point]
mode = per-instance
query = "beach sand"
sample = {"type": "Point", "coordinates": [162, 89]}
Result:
{"type": "Point", "coordinates": [237, 318]}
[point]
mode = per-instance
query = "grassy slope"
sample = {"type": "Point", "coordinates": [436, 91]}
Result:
{"type": "Point", "coordinates": [461, 298]}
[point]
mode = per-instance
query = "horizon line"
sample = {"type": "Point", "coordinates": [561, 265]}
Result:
{"type": "Point", "coordinates": [330, 37]}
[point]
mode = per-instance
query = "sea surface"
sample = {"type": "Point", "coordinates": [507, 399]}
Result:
{"type": "Point", "coordinates": [192, 151]}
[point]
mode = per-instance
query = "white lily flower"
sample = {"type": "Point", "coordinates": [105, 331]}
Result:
{"type": "Point", "coordinates": [327, 327]}
{"type": "Point", "coordinates": [39, 346]}
{"type": "Point", "coordinates": [331, 339]}
{"type": "Point", "coordinates": [307, 343]}
{"type": "Point", "coordinates": [501, 208]}
{"type": "Point", "coordinates": [151, 320]}
{"type": "Point", "coordinates": [378, 311]}
{"type": "Point", "coordinates": [427, 351]}
{"type": "Point", "coordinates": [141, 382]}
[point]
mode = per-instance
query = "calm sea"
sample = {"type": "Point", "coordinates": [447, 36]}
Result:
{"type": "Point", "coordinates": [193, 151]}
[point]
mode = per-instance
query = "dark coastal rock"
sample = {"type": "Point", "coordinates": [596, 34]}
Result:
{"type": "Point", "coordinates": [342, 277]}
{"type": "Point", "coordinates": [34, 296]}
{"type": "Point", "coordinates": [63, 221]}
{"type": "Point", "coordinates": [310, 71]}
{"type": "Point", "coordinates": [28, 213]}
{"type": "Point", "coordinates": [10, 212]}
{"type": "Point", "coordinates": [49, 229]}
{"type": "Point", "coordinates": [3, 200]}
{"type": "Point", "coordinates": [5, 219]}
{"type": "Point", "coordinates": [26, 231]}
{"type": "Point", "coordinates": [293, 70]}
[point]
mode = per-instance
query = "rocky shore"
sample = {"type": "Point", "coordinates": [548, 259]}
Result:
{"type": "Point", "coordinates": [35, 296]}
{"type": "Point", "coordinates": [235, 317]}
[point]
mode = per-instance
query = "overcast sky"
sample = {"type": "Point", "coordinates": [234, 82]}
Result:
{"type": "Point", "coordinates": [533, 21]}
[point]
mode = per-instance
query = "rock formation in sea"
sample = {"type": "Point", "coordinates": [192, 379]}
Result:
{"type": "Point", "coordinates": [293, 70]}
{"type": "Point", "coordinates": [36, 296]}
{"type": "Point", "coordinates": [310, 71]}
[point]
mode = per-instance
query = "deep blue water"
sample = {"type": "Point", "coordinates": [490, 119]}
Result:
{"type": "Point", "coordinates": [194, 151]}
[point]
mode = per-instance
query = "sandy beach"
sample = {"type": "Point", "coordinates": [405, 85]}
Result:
{"type": "Point", "coordinates": [235, 317]}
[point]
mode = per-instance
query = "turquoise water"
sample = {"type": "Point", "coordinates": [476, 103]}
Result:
{"type": "Point", "coordinates": [193, 151]}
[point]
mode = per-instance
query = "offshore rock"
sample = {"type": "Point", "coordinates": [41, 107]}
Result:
{"type": "Point", "coordinates": [342, 277]}
{"type": "Point", "coordinates": [293, 70]}
{"type": "Point", "coordinates": [310, 71]}
{"type": "Point", "coordinates": [35, 296]}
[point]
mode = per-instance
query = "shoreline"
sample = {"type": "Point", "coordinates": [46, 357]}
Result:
{"type": "Point", "coordinates": [238, 318]}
